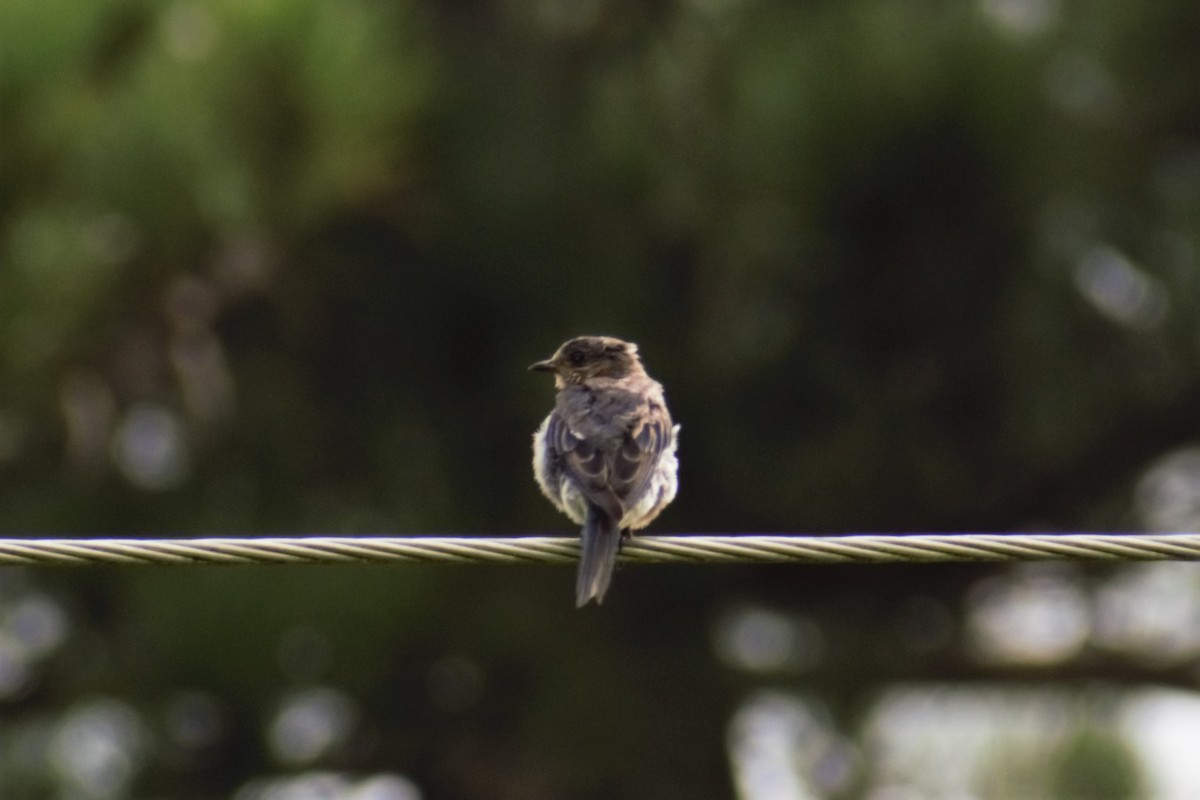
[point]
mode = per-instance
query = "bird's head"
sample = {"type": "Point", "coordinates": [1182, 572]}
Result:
{"type": "Point", "coordinates": [586, 357]}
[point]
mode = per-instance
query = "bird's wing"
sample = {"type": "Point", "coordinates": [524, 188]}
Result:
{"type": "Point", "coordinates": [585, 463]}
{"type": "Point", "coordinates": [632, 466]}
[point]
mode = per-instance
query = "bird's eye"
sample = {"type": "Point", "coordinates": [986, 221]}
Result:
{"type": "Point", "coordinates": [576, 357]}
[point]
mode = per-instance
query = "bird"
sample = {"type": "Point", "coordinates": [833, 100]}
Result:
{"type": "Point", "coordinates": [605, 456]}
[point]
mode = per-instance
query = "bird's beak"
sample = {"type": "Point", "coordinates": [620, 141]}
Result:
{"type": "Point", "coordinates": [543, 366]}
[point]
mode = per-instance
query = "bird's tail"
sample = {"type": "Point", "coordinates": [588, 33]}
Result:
{"type": "Point", "coordinates": [598, 555]}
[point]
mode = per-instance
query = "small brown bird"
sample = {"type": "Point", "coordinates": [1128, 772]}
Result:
{"type": "Point", "coordinates": [605, 456]}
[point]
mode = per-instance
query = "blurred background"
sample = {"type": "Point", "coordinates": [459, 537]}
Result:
{"type": "Point", "coordinates": [278, 266]}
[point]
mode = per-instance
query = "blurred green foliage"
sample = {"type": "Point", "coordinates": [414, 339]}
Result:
{"type": "Point", "coordinates": [277, 266]}
{"type": "Point", "coordinates": [1094, 764]}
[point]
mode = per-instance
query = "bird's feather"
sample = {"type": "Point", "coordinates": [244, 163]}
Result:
{"type": "Point", "coordinates": [598, 556]}
{"type": "Point", "coordinates": [610, 442]}
{"type": "Point", "coordinates": [584, 462]}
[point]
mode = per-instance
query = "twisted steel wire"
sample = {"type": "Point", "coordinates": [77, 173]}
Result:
{"type": "Point", "coordinates": [716, 549]}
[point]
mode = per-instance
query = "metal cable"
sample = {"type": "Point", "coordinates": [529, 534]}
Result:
{"type": "Point", "coordinates": [716, 549]}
